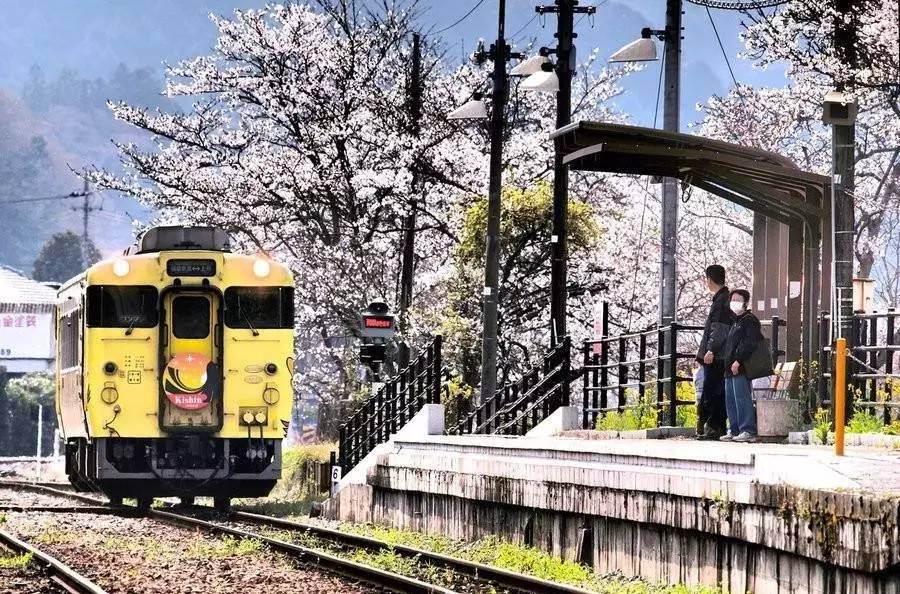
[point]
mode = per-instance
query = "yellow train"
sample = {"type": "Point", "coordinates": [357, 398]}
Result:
{"type": "Point", "coordinates": [174, 369]}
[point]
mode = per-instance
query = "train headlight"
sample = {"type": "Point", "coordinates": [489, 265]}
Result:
{"type": "Point", "coordinates": [121, 267]}
{"type": "Point", "coordinates": [261, 268]}
{"type": "Point", "coordinates": [271, 368]}
{"type": "Point", "coordinates": [110, 368]}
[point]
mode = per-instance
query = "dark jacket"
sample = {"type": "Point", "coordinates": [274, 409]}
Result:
{"type": "Point", "coordinates": [743, 337]}
{"type": "Point", "coordinates": [719, 311]}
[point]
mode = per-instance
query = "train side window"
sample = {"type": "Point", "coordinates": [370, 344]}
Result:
{"type": "Point", "coordinates": [69, 331]}
{"type": "Point", "coordinates": [122, 306]}
{"type": "Point", "coordinates": [259, 307]}
{"type": "Point", "coordinates": [190, 317]}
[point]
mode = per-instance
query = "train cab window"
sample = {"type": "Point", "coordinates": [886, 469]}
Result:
{"type": "Point", "coordinates": [259, 307]}
{"type": "Point", "coordinates": [122, 306]}
{"type": "Point", "coordinates": [190, 317]}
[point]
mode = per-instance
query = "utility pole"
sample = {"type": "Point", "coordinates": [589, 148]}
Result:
{"type": "Point", "coordinates": [565, 70]}
{"type": "Point", "coordinates": [85, 209]}
{"type": "Point", "coordinates": [671, 105]}
{"type": "Point", "coordinates": [499, 53]}
{"type": "Point", "coordinates": [840, 111]}
{"type": "Point", "coordinates": [409, 226]}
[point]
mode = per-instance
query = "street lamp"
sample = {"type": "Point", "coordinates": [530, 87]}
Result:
{"type": "Point", "coordinates": [640, 50]}
{"type": "Point", "coordinates": [473, 109]}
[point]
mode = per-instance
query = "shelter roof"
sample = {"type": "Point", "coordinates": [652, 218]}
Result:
{"type": "Point", "coordinates": [760, 180]}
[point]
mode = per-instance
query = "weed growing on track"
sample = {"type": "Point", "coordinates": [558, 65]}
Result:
{"type": "Point", "coordinates": [16, 561]}
{"type": "Point", "coordinates": [521, 559]}
{"type": "Point", "coordinates": [2, 518]}
{"type": "Point", "coordinates": [227, 546]}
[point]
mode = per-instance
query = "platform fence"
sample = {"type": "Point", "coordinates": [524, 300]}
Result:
{"type": "Point", "coordinates": [873, 370]}
{"type": "Point", "coordinates": [637, 370]}
{"type": "Point", "coordinates": [518, 406]}
{"type": "Point", "coordinates": [398, 400]}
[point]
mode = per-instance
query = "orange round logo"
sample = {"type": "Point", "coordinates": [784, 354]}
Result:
{"type": "Point", "coordinates": [188, 380]}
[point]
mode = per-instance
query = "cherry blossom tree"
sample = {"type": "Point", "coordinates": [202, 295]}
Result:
{"type": "Point", "coordinates": [803, 35]}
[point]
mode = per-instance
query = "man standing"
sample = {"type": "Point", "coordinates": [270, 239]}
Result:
{"type": "Point", "coordinates": [711, 408]}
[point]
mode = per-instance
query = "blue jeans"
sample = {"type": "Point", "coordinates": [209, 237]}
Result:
{"type": "Point", "coordinates": [739, 404]}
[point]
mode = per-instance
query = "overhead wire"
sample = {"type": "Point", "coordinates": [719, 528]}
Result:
{"type": "Point", "coordinates": [75, 194]}
{"type": "Point", "coordinates": [721, 47]}
{"type": "Point", "coordinates": [459, 20]}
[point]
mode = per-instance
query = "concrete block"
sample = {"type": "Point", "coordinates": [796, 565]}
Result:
{"type": "Point", "coordinates": [776, 418]}
{"type": "Point", "coordinates": [564, 418]}
{"type": "Point", "coordinates": [428, 421]}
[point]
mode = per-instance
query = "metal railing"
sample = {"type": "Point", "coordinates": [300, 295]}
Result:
{"type": "Point", "coordinates": [385, 413]}
{"type": "Point", "coordinates": [519, 406]}
{"type": "Point", "coordinates": [871, 369]}
{"type": "Point", "coordinates": [613, 365]}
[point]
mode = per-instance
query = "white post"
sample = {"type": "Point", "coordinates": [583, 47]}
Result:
{"type": "Point", "coordinates": [56, 443]}
{"type": "Point", "coordinates": [40, 431]}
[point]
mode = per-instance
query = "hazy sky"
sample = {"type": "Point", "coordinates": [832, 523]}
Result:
{"type": "Point", "coordinates": [93, 36]}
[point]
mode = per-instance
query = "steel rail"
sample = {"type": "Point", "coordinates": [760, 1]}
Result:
{"type": "Point", "coordinates": [68, 577]}
{"type": "Point", "coordinates": [398, 583]}
{"type": "Point", "coordinates": [44, 488]}
{"type": "Point", "coordinates": [508, 579]}
{"type": "Point", "coordinates": [371, 575]}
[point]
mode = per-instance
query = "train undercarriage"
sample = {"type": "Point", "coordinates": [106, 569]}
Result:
{"type": "Point", "coordinates": [185, 466]}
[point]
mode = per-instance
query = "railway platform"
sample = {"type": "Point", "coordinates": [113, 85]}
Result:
{"type": "Point", "coordinates": [751, 517]}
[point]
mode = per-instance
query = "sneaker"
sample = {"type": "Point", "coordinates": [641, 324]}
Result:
{"type": "Point", "coordinates": [745, 437]}
{"type": "Point", "coordinates": [727, 437]}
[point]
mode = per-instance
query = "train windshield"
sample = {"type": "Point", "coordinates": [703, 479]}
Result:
{"type": "Point", "coordinates": [259, 307]}
{"type": "Point", "coordinates": [117, 306]}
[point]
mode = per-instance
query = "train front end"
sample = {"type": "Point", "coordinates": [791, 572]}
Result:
{"type": "Point", "coordinates": [175, 369]}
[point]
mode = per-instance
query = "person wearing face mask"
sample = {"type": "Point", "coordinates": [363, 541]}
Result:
{"type": "Point", "coordinates": [742, 340]}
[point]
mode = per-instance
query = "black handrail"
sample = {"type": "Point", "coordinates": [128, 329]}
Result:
{"type": "Point", "coordinates": [518, 406]}
{"type": "Point", "coordinates": [385, 413]}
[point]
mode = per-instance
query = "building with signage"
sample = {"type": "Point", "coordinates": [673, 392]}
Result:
{"type": "Point", "coordinates": [27, 334]}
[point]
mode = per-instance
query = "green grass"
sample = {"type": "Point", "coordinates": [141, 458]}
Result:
{"type": "Point", "coordinates": [497, 552]}
{"type": "Point", "coordinates": [16, 561]}
{"type": "Point", "coordinates": [294, 494]}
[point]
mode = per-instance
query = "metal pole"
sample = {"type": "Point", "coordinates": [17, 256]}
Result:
{"type": "Point", "coordinates": [409, 236]}
{"type": "Point", "coordinates": [671, 103]}
{"type": "Point", "coordinates": [85, 210]}
{"type": "Point", "coordinates": [40, 438]}
{"type": "Point", "coordinates": [843, 138]}
{"type": "Point", "coordinates": [565, 70]}
{"type": "Point", "coordinates": [492, 241]}
{"type": "Point", "coordinates": [840, 394]}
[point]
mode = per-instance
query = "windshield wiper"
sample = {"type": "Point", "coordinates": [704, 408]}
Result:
{"type": "Point", "coordinates": [134, 319]}
{"type": "Point", "coordinates": [246, 318]}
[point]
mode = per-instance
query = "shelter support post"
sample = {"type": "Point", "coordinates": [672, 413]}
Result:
{"type": "Point", "coordinates": [794, 335]}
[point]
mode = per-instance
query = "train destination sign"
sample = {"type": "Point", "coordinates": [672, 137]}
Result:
{"type": "Point", "coordinates": [191, 267]}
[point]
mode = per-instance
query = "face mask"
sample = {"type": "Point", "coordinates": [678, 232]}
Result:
{"type": "Point", "coordinates": [737, 307]}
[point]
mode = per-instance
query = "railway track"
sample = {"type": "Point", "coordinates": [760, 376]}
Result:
{"type": "Point", "coordinates": [472, 577]}
{"type": "Point", "coordinates": [60, 573]}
